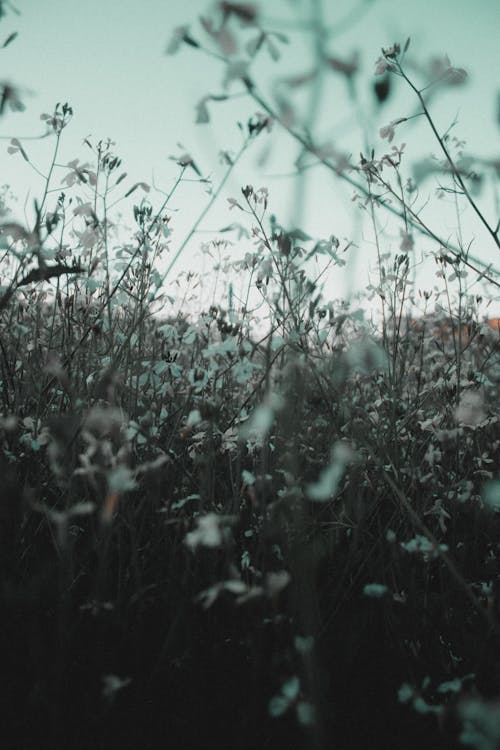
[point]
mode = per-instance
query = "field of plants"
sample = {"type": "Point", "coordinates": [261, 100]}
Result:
{"type": "Point", "coordinates": [246, 529]}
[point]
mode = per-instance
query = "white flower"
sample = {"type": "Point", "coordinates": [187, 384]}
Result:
{"type": "Point", "coordinates": [388, 130]}
{"type": "Point", "coordinates": [381, 66]}
{"type": "Point", "coordinates": [210, 531]}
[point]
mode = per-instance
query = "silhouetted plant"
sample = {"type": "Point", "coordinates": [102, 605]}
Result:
{"type": "Point", "coordinates": [275, 488]}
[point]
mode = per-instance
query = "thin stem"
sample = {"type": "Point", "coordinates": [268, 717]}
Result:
{"type": "Point", "coordinates": [416, 222]}
{"type": "Point", "coordinates": [486, 614]}
{"type": "Point", "coordinates": [453, 168]}
{"type": "Point", "coordinates": [51, 169]}
{"type": "Point", "coordinates": [117, 285]}
{"type": "Point", "coordinates": [188, 237]}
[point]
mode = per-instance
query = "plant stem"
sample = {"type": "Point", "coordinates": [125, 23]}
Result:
{"type": "Point", "coordinates": [453, 168]}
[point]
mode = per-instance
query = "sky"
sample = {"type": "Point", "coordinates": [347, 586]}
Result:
{"type": "Point", "coordinates": [108, 61]}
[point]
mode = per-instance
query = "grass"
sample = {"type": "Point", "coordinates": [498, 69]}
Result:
{"type": "Point", "coordinates": [216, 532]}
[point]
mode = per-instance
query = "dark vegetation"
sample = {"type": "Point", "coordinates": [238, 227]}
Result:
{"type": "Point", "coordinates": [213, 537]}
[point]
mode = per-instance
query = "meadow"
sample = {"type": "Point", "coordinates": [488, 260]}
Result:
{"type": "Point", "coordinates": [224, 531]}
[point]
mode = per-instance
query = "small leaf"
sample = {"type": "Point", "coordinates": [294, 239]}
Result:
{"type": "Point", "coordinates": [202, 114]}
{"type": "Point", "coordinates": [248, 477]}
{"type": "Point", "coordinates": [375, 590]}
{"type": "Point", "coordinates": [407, 44]}
{"type": "Point", "coordinates": [278, 705]}
{"type": "Point", "coordinates": [236, 587]}
{"type": "Point", "coordinates": [291, 688]}
{"type": "Point", "coordinates": [457, 75]}
{"type": "Point", "coordinates": [15, 145]}
{"type": "Point", "coordinates": [453, 686]}
{"type": "Point", "coordinates": [281, 37]}
{"type": "Point", "coordinates": [180, 35]}
{"type": "Point", "coordinates": [10, 39]}
{"type": "Point", "coordinates": [304, 644]}
{"type": "Point", "coordinates": [113, 684]}
{"type": "Point", "coordinates": [405, 693]}
{"type": "Point", "coordinates": [131, 190]}
{"type": "Point", "coordinates": [190, 41]}
{"type": "Point", "coordinates": [253, 46]}
{"type": "Point", "coordinates": [142, 185]}
{"type": "Point", "coordinates": [82, 509]}
{"type": "Point", "coordinates": [273, 50]}
{"type": "Point", "coordinates": [235, 71]}
{"type": "Point", "coordinates": [305, 714]}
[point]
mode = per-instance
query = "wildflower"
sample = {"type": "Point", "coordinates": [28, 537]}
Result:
{"type": "Point", "coordinates": [388, 130]}
{"type": "Point", "coordinates": [382, 66]}
{"type": "Point", "coordinates": [211, 531]}
{"type": "Point", "coordinates": [392, 52]}
{"type": "Point", "coordinates": [407, 242]}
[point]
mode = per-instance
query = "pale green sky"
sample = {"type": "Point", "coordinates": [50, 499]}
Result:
{"type": "Point", "coordinates": [106, 58]}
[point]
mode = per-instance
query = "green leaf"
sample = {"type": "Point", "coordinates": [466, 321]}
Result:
{"type": "Point", "coordinates": [120, 479]}
{"type": "Point", "coordinates": [452, 686]}
{"type": "Point", "coordinates": [405, 693]}
{"type": "Point", "coordinates": [181, 503]}
{"type": "Point", "coordinates": [422, 707]}
{"type": "Point", "coordinates": [248, 477]}
{"type": "Point", "coordinates": [375, 590]}
{"type": "Point", "coordinates": [273, 50]}
{"type": "Point", "coordinates": [189, 335]}
{"type": "Point", "coordinates": [304, 644]}
{"type": "Point", "coordinates": [305, 714]}
{"type": "Point", "coordinates": [291, 688]}
{"type": "Point", "coordinates": [160, 367]}
{"type": "Point", "coordinates": [278, 705]}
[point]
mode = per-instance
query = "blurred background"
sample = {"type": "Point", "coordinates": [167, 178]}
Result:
{"type": "Point", "coordinates": [109, 61]}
